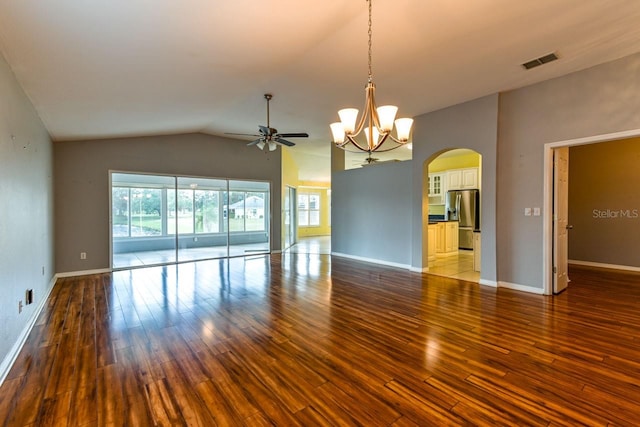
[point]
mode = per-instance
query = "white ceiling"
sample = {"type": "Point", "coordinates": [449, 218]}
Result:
{"type": "Point", "coordinates": [98, 69]}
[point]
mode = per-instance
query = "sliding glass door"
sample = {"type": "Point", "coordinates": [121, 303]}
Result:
{"type": "Point", "coordinates": [248, 217]}
{"type": "Point", "coordinates": [165, 219]}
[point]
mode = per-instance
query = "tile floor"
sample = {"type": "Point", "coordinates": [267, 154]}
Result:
{"type": "Point", "coordinates": [458, 266]}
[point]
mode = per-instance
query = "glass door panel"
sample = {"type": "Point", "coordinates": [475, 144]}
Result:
{"type": "Point", "coordinates": [201, 221]}
{"type": "Point", "coordinates": [248, 217]}
{"type": "Point", "coordinates": [139, 220]}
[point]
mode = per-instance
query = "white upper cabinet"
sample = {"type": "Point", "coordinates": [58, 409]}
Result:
{"type": "Point", "coordinates": [435, 184]}
{"type": "Point", "coordinates": [462, 179]}
{"type": "Point", "coordinates": [436, 188]}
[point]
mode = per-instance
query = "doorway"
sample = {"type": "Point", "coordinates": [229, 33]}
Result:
{"type": "Point", "coordinates": [290, 217]}
{"type": "Point", "coordinates": [551, 208]}
{"type": "Point", "coordinates": [453, 211]}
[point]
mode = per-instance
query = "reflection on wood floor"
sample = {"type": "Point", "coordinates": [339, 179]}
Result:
{"type": "Point", "coordinates": [312, 245]}
{"type": "Point", "coordinates": [303, 340]}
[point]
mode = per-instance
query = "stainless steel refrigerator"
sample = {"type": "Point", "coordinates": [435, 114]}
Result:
{"type": "Point", "coordinates": [464, 206]}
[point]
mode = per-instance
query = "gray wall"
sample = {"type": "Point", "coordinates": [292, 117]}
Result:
{"type": "Point", "coordinates": [605, 178]}
{"type": "Point", "coordinates": [599, 100]}
{"type": "Point", "coordinates": [26, 203]}
{"type": "Point", "coordinates": [82, 183]}
{"type": "Point", "coordinates": [371, 212]}
{"type": "Point", "coordinates": [470, 125]}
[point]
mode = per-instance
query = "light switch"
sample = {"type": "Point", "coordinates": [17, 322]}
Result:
{"type": "Point", "coordinates": [527, 211]}
{"type": "Point", "coordinates": [536, 211]}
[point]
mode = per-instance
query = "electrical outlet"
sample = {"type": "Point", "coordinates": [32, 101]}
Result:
{"type": "Point", "coordinates": [536, 211]}
{"type": "Point", "coordinates": [19, 306]}
{"type": "Point", "coordinates": [83, 255]}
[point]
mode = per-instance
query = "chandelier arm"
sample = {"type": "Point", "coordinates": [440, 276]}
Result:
{"type": "Point", "coordinates": [372, 108]}
{"type": "Point", "coordinates": [388, 149]}
{"type": "Point", "coordinates": [380, 142]}
{"type": "Point", "coordinates": [399, 141]}
{"type": "Point", "coordinates": [365, 111]}
{"type": "Point", "coordinates": [355, 143]}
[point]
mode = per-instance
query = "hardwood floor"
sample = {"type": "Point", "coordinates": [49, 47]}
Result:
{"type": "Point", "coordinates": [306, 339]}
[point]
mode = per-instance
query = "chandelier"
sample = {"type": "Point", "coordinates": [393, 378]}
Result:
{"type": "Point", "coordinates": [377, 122]}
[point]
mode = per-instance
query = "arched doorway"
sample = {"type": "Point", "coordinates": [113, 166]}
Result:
{"type": "Point", "coordinates": [451, 201]}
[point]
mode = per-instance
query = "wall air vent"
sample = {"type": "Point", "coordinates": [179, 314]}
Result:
{"type": "Point", "coordinates": [540, 61]}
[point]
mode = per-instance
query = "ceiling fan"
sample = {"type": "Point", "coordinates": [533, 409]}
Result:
{"type": "Point", "coordinates": [371, 161]}
{"type": "Point", "coordinates": [269, 136]}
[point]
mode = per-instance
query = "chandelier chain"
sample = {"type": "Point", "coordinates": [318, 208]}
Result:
{"type": "Point", "coordinates": [370, 73]}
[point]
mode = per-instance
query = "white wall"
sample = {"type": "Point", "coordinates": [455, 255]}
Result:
{"type": "Point", "coordinates": [371, 213]}
{"type": "Point", "coordinates": [26, 211]}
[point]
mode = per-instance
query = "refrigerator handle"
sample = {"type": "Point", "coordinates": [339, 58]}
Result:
{"type": "Point", "coordinates": [458, 198]}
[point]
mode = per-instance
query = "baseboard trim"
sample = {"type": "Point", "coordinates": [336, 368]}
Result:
{"type": "Point", "coordinates": [419, 270]}
{"type": "Point", "coordinates": [603, 265]}
{"type": "Point", "coordinates": [10, 358]}
{"type": "Point", "coordinates": [486, 282]}
{"type": "Point", "coordinates": [83, 273]}
{"type": "Point", "coordinates": [522, 288]}
{"type": "Point", "coordinates": [372, 260]}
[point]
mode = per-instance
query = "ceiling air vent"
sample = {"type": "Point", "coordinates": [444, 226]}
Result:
{"type": "Point", "coordinates": [539, 61]}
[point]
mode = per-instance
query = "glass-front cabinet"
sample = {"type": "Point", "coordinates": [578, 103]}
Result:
{"type": "Point", "coordinates": [436, 188]}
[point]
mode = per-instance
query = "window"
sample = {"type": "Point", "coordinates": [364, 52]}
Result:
{"type": "Point", "coordinates": [137, 212]}
{"type": "Point", "coordinates": [207, 211]}
{"type": "Point", "coordinates": [247, 211]}
{"type": "Point", "coordinates": [183, 212]}
{"type": "Point", "coordinates": [309, 209]}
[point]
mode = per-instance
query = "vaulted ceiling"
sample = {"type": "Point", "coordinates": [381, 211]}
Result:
{"type": "Point", "coordinates": [98, 69]}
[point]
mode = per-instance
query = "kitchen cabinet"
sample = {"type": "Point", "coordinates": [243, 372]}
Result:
{"type": "Point", "coordinates": [436, 188]}
{"type": "Point", "coordinates": [462, 179]}
{"type": "Point", "coordinates": [476, 251]}
{"type": "Point", "coordinates": [442, 238]}
{"type": "Point", "coordinates": [451, 237]}
{"type": "Point", "coordinates": [431, 241]}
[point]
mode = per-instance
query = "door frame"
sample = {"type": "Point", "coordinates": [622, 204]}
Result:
{"type": "Point", "coordinates": [548, 208]}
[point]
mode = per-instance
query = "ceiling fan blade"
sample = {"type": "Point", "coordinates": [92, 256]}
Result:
{"type": "Point", "coordinates": [254, 142]}
{"type": "Point", "coordinates": [284, 141]}
{"type": "Point", "coordinates": [243, 134]}
{"type": "Point", "coordinates": [294, 135]}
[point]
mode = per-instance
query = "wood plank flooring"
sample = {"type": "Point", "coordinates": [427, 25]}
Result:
{"type": "Point", "coordinates": [306, 340]}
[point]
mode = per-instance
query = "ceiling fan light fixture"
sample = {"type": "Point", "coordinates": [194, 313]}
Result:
{"type": "Point", "coordinates": [272, 146]}
{"type": "Point", "coordinates": [377, 121]}
{"type": "Point", "coordinates": [260, 145]}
